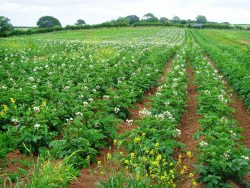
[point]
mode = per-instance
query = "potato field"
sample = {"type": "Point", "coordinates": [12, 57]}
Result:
{"type": "Point", "coordinates": [125, 107]}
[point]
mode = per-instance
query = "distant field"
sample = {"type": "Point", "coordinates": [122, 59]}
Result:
{"type": "Point", "coordinates": [244, 25]}
{"type": "Point", "coordinates": [229, 36]}
{"type": "Point", "coordinates": [23, 28]}
{"type": "Point", "coordinates": [135, 107]}
{"type": "Point", "coordinates": [96, 35]}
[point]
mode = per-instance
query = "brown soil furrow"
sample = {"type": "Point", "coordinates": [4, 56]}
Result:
{"type": "Point", "coordinates": [189, 126]}
{"type": "Point", "coordinates": [243, 117]}
{"type": "Point", "coordinates": [90, 177]}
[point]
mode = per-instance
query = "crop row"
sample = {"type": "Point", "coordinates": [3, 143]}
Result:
{"type": "Point", "coordinates": [232, 62]}
{"type": "Point", "coordinates": [222, 155]}
{"type": "Point", "coordinates": [151, 145]}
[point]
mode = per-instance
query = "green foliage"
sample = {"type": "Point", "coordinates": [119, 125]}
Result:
{"type": "Point", "coordinates": [5, 26]}
{"type": "Point", "coordinates": [151, 146]}
{"type": "Point", "coordinates": [80, 22]}
{"type": "Point", "coordinates": [32, 138]}
{"type": "Point", "coordinates": [149, 17]}
{"type": "Point", "coordinates": [231, 59]}
{"type": "Point", "coordinates": [176, 19]}
{"type": "Point", "coordinates": [222, 155]}
{"type": "Point", "coordinates": [49, 173]}
{"type": "Point", "coordinates": [70, 96]}
{"type": "Point", "coordinates": [7, 144]}
{"type": "Point", "coordinates": [201, 19]}
{"type": "Point", "coordinates": [121, 181]}
{"type": "Point", "coordinates": [48, 22]}
{"type": "Point", "coordinates": [132, 19]}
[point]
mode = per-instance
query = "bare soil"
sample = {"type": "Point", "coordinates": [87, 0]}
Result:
{"type": "Point", "coordinates": [189, 126]}
{"type": "Point", "coordinates": [15, 162]}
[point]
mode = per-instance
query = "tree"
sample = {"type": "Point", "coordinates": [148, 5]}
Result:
{"type": "Point", "coordinates": [5, 25]}
{"type": "Point", "coordinates": [201, 19]}
{"type": "Point", "coordinates": [163, 20]}
{"type": "Point", "coordinates": [150, 17]}
{"type": "Point", "coordinates": [190, 21]}
{"type": "Point", "coordinates": [122, 19]}
{"type": "Point", "coordinates": [183, 22]}
{"type": "Point", "coordinates": [80, 22]}
{"type": "Point", "coordinates": [226, 23]}
{"type": "Point", "coordinates": [133, 19]}
{"type": "Point", "coordinates": [176, 19]}
{"type": "Point", "coordinates": [48, 21]}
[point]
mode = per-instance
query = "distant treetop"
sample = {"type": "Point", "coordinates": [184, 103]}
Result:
{"type": "Point", "coordinates": [163, 20]}
{"type": "Point", "coordinates": [80, 22]}
{"type": "Point", "coordinates": [133, 19]}
{"type": "Point", "coordinates": [5, 25]}
{"type": "Point", "coordinates": [201, 19]}
{"type": "Point", "coordinates": [48, 22]}
{"type": "Point", "coordinates": [150, 17]}
{"type": "Point", "coordinates": [176, 19]}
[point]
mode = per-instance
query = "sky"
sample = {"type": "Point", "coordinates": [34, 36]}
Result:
{"type": "Point", "coordinates": [27, 12]}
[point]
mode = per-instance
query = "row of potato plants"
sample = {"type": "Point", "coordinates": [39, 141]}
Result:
{"type": "Point", "coordinates": [103, 113]}
{"type": "Point", "coordinates": [150, 147]}
{"type": "Point", "coordinates": [232, 61]}
{"type": "Point", "coordinates": [72, 99]}
{"type": "Point", "coordinates": [222, 155]}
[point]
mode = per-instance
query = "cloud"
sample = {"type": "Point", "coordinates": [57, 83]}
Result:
{"type": "Point", "coordinates": [27, 12]}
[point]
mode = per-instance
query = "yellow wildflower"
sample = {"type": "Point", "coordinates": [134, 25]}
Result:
{"type": "Point", "coordinates": [189, 154]}
{"type": "Point", "coordinates": [182, 172]}
{"type": "Point", "coordinates": [194, 183]}
{"type": "Point", "coordinates": [152, 152]}
{"type": "Point", "coordinates": [156, 163]}
{"type": "Point", "coordinates": [157, 145]}
{"type": "Point", "coordinates": [180, 156]}
{"type": "Point", "coordinates": [5, 108]}
{"type": "Point", "coordinates": [132, 155]}
{"type": "Point", "coordinates": [146, 150]}
{"type": "Point", "coordinates": [109, 156]}
{"type": "Point", "coordinates": [44, 103]}
{"type": "Point", "coordinates": [12, 100]}
{"type": "Point", "coordinates": [137, 140]}
{"type": "Point", "coordinates": [119, 143]}
{"type": "Point", "coordinates": [158, 157]}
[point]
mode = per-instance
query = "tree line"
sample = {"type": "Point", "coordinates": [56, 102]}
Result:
{"type": "Point", "coordinates": [50, 24]}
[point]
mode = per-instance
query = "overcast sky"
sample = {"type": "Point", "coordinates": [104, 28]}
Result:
{"type": "Point", "coordinates": [27, 12]}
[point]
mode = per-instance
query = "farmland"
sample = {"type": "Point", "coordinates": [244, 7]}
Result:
{"type": "Point", "coordinates": [127, 107]}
